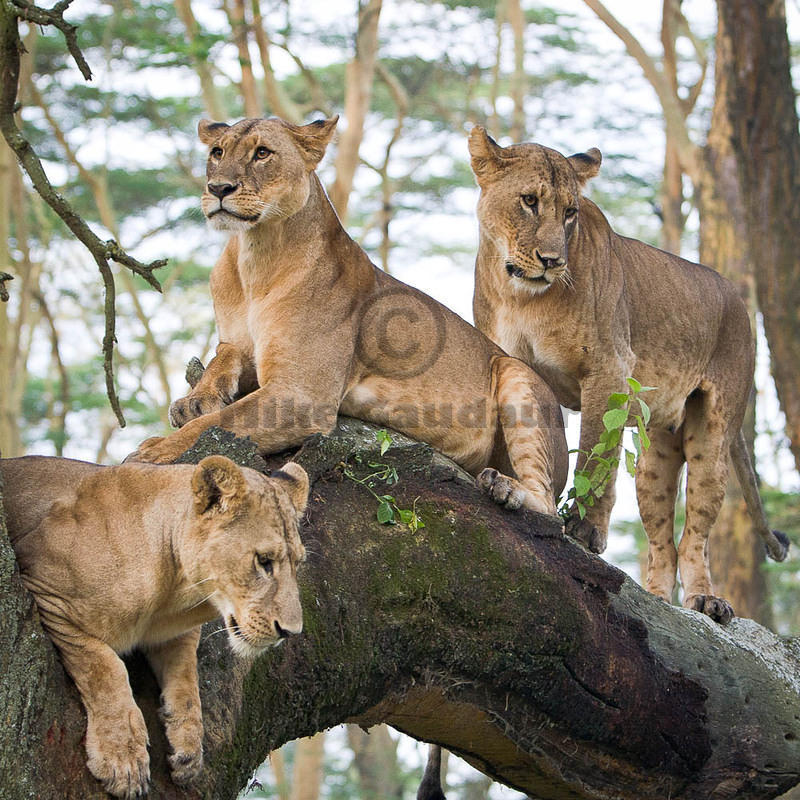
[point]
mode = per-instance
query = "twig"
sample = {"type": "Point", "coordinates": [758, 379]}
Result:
{"type": "Point", "coordinates": [55, 17]}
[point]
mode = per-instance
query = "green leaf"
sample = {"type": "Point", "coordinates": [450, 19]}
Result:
{"type": "Point", "coordinates": [615, 418]}
{"type": "Point", "coordinates": [645, 439]}
{"type": "Point", "coordinates": [635, 385]}
{"type": "Point", "coordinates": [617, 400]}
{"type": "Point", "coordinates": [637, 444]}
{"type": "Point", "coordinates": [385, 440]}
{"type": "Point", "coordinates": [613, 438]}
{"type": "Point", "coordinates": [630, 463]}
{"type": "Point", "coordinates": [406, 515]}
{"type": "Point", "coordinates": [645, 410]}
{"type": "Point", "coordinates": [582, 484]}
{"type": "Point", "coordinates": [581, 510]}
{"type": "Point", "coordinates": [385, 513]}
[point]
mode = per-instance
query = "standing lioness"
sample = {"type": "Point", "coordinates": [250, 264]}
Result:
{"type": "Point", "coordinates": [309, 328]}
{"type": "Point", "coordinates": [555, 286]}
{"type": "Point", "coordinates": [141, 556]}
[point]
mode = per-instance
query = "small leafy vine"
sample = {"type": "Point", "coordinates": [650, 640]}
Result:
{"type": "Point", "coordinates": [388, 512]}
{"type": "Point", "coordinates": [592, 479]}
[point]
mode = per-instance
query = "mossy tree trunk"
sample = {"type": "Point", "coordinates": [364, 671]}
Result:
{"type": "Point", "coordinates": [485, 631]}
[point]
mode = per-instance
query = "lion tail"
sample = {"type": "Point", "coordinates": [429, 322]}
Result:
{"type": "Point", "coordinates": [775, 542]}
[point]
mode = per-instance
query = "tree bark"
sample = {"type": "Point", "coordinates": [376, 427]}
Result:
{"type": "Point", "coordinates": [736, 555]}
{"type": "Point", "coordinates": [752, 40]}
{"type": "Point", "coordinates": [486, 631]}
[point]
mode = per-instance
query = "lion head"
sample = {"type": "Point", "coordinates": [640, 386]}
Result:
{"type": "Point", "coordinates": [244, 546]}
{"type": "Point", "coordinates": [529, 205]}
{"type": "Point", "coordinates": [259, 168]}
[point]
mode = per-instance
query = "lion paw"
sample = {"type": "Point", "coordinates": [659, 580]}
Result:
{"type": "Point", "coordinates": [121, 765]}
{"type": "Point", "coordinates": [186, 767]}
{"type": "Point", "coordinates": [715, 607]}
{"type": "Point", "coordinates": [185, 735]}
{"type": "Point", "coordinates": [192, 406]}
{"type": "Point", "coordinates": [503, 490]}
{"type": "Point", "coordinates": [586, 532]}
{"type": "Point", "coordinates": [148, 451]}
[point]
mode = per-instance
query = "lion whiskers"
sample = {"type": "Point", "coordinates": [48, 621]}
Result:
{"type": "Point", "coordinates": [205, 599]}
{"type": "Point", "coordinates": [566, 278]}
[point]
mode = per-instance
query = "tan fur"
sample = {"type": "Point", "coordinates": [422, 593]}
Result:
{"type": "Point", "coordinates": [303, 315]}
{"type": "Point", "coordinates": [141, 556]}
{"type": "Point", "coordinates": [556, 287]}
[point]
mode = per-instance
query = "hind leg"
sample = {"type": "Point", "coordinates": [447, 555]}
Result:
{"type": "Point", "coordinates": [533, 434]}
{"type": "Point", "coordinates": [657, 474]}
{"type": "Point", "coordinates": [706, 445]}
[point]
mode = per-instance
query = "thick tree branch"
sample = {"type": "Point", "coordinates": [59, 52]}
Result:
{"type": "Point", "coordinates": [485, 631]}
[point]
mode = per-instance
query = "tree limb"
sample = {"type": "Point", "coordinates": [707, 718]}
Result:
{"type": "Point", "coordinates": [485, 631]}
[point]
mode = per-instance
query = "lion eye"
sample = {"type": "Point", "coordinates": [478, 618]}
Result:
{"type": "Point", "coordinates": [216, 152]}
{"type": "Point", "coordinates": [262, 153]}
{"type": "Point", "coordinates": [531, 201]}
{"type": "Point", "coordinates": [265, 562]}
{"type": "Point", "coordinates": [570, 213]}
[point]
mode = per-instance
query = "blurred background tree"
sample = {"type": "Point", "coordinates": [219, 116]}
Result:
{"type": "Point", "coordinates": [409, 78]}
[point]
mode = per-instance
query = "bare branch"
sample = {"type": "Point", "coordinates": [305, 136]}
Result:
{"type": "Point", "coordinates": [55, 17]}
{"type": "Point", "coordinates": [102, 252]}
{"type": "Point", "coordinates": [674, 118]}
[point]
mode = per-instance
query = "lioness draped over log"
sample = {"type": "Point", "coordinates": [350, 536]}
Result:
{"type": "Point", "coordinates": [309, 328]}
{"type": "Point", "coordinates": [556, 287]}
{"type": "Point", "coordinates": [141, 556]}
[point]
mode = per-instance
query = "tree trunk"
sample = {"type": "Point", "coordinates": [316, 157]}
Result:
{"type": "Point", "coordinates": [309, 757]}
{"type": "Point", "coordinates": [375, 757]}
{"type": "Point", "coordinates": [359, 77]}
{"type": "Point", "coordinates": [486, 631]}
{"type": "Point", "coordinates": [241, 35]}
{"type": "Point", "coordinates": [736, 555]}
{"type": "Point", "coordinates": [753, 42]}
{"type": "Point", "coordinates": [516, 19]}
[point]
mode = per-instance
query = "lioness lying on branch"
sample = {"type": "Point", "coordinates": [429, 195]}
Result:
{"type": "Point", "coordinates": [556, 287]}
{"type": "Point", "coordinates": [309, 328]}
{"type": "Point", "coordinates": [141, 556]}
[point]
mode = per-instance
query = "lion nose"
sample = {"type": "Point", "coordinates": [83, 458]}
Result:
{"type": "Point", "coordinates": [548, 262]}
{"type": "Point", "coordinates": [222, 189]}
{"type": "Point", "coordinates": [284, 633]}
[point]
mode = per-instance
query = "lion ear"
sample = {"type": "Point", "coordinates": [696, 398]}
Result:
{"type": "Point", "coordinates": [218, 485]}
{"type": "Point", "coordinates": [586, 165]}
{"type": "Point", "coordinates": [486, 156]}
{"type": "Point", "coordinates": [293, 479]}
{"type": "Point", "coordinates": [210, 132]}
{"type": "Point", "coordinates": [313, 139]}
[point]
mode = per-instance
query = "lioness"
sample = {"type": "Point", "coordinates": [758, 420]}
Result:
{"type": "Point", "coordinates": [141, 556]}
{"type": "Point", "coordinates": [309, 328]}
{"type": "Point", "coordinates": [555, 286]}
